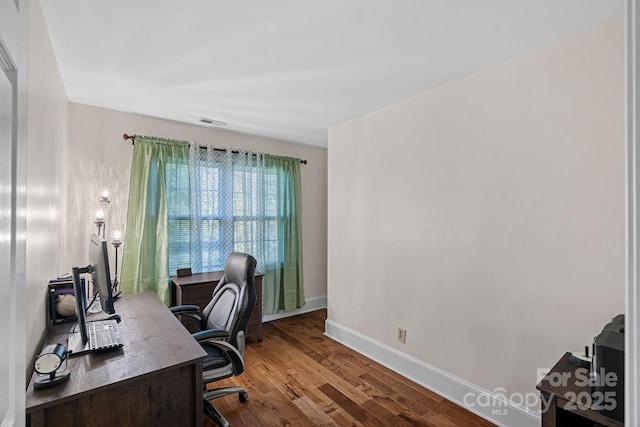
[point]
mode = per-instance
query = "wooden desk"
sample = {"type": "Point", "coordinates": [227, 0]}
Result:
{"type": "Point", "coordinates": [197, 289]}
{"type": "Point", "coordinates": [564, 398]}
{"type": "Point", "coordinates": [154, 380]}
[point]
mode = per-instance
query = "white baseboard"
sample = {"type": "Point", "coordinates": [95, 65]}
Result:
{"type": "Point", "coordinates": [311, 304]}
{"type": "Point", "coordinates": [484, 403]}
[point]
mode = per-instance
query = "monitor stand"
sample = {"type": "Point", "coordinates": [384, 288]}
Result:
{"type": "Point", "coordinates": [75, 344]}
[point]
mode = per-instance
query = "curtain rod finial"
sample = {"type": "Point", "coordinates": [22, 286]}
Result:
{"type": "Point", "coordinates": [131, 137]}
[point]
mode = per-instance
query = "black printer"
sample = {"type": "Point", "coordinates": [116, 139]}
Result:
{"type": "Point", "coordinates": [607, 368]}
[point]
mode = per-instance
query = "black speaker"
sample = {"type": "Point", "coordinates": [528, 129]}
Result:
{"type": "Point", "coordinates": [607, 369]}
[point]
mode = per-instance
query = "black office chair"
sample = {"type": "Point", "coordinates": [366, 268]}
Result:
{"type": "Point", "coordinates": [223, 327]}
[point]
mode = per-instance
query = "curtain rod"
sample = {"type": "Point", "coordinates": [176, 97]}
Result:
{"type": "Point", "coordinates": [133, 141]}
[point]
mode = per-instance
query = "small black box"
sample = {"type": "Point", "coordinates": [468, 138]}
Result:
{"type": "Point", "coordinates": [183, 272]}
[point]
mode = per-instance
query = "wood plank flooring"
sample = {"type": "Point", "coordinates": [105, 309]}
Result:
{"type": "Point", "coordinates": [298, 377]}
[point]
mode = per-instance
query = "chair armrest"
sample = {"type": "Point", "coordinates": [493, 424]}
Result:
{"type": "Point", "coordinates": [211, 334]}
{"type": "Point", "coordinates": [191, 311]}
{"type": "Point", "coordinates": [231, 353]}
{"type": "Point", "coordinates": [180, 309]}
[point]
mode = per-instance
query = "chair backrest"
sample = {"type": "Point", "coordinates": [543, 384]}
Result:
{"type": "Point", "coordinates": [233, 299]}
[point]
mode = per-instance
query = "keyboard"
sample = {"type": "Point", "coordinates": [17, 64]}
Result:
{"type": "Point", "coordinates": [103, 335]}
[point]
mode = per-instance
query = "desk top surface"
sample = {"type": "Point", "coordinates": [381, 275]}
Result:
{"type": "Point", "coordinates": [153, 338]}
{"type": "Point", "coordinates": [198, 278]}
{"type": "Point", "coordinates": [570, 385]}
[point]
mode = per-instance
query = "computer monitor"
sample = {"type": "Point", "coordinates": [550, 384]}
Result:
{"type": "Point", "coordinates": [100, 274]}
{"type": "Point", "coordinates": [78, 336]}
{"type": "Point", "coordinates": [99, 270]}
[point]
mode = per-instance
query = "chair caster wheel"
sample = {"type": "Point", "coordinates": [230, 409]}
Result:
{"type": "Point", "coordinates": [243, 396]}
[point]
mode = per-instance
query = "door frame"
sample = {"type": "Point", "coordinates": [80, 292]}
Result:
{"type": "Point", "coordinates": [13, 64]}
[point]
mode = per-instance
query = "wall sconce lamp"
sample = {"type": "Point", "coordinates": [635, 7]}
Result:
{"type": "Point", "coordinates": [116, 241]}
{"type": "Point", "coordinates": [100, 214]}
{"type": "Point", "coordinates": [104, 195]}
{"type": "Point", "coordinates": [99, 219]}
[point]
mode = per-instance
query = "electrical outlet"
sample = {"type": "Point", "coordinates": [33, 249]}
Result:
{"type": "Point", "coordinates": [402, 335]}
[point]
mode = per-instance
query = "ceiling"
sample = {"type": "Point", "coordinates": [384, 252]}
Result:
{"type": "Point", "coordinates": [291, 69]}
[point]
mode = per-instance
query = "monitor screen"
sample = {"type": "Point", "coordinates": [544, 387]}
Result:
{"type": "Point", "coordinates": [78, 338]}
{"type": "Point", "coordinates": [100, 274]}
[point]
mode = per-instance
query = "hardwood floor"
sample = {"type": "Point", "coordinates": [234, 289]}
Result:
{"type": "Point", "coordinates": [298, 377]}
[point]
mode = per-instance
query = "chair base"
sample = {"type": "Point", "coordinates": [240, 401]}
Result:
{"type": "Point", "coordinates": [211, 410]}
{"type": "Point", "coordinates": [214, 414]}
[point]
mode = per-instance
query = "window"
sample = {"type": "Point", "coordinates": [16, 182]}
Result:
{"type": "Point", "coordinates": [190, 206]}
{"type": "Point", "coordinates": [234, 209]}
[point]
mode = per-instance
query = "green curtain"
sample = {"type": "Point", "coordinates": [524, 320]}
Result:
{"type": "Point", "coordinates": [145, 254]}
{"type": "Point", "coordinates": [283, 285]}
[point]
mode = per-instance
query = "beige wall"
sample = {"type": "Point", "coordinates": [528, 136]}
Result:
{"type": "Point", "coordinates": [487, 216]}
{"type": "Point", "coordinates": [46, 134]}
{"type": "Point", "coordinates": [98, 154]}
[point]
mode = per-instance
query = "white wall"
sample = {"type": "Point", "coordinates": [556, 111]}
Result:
{"type": "Point", "coordinates": [487, 216]}
{"type": "Point", "coordinates": [97, 153]}
{"type": "Point", "coordinates": [46, 133]}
